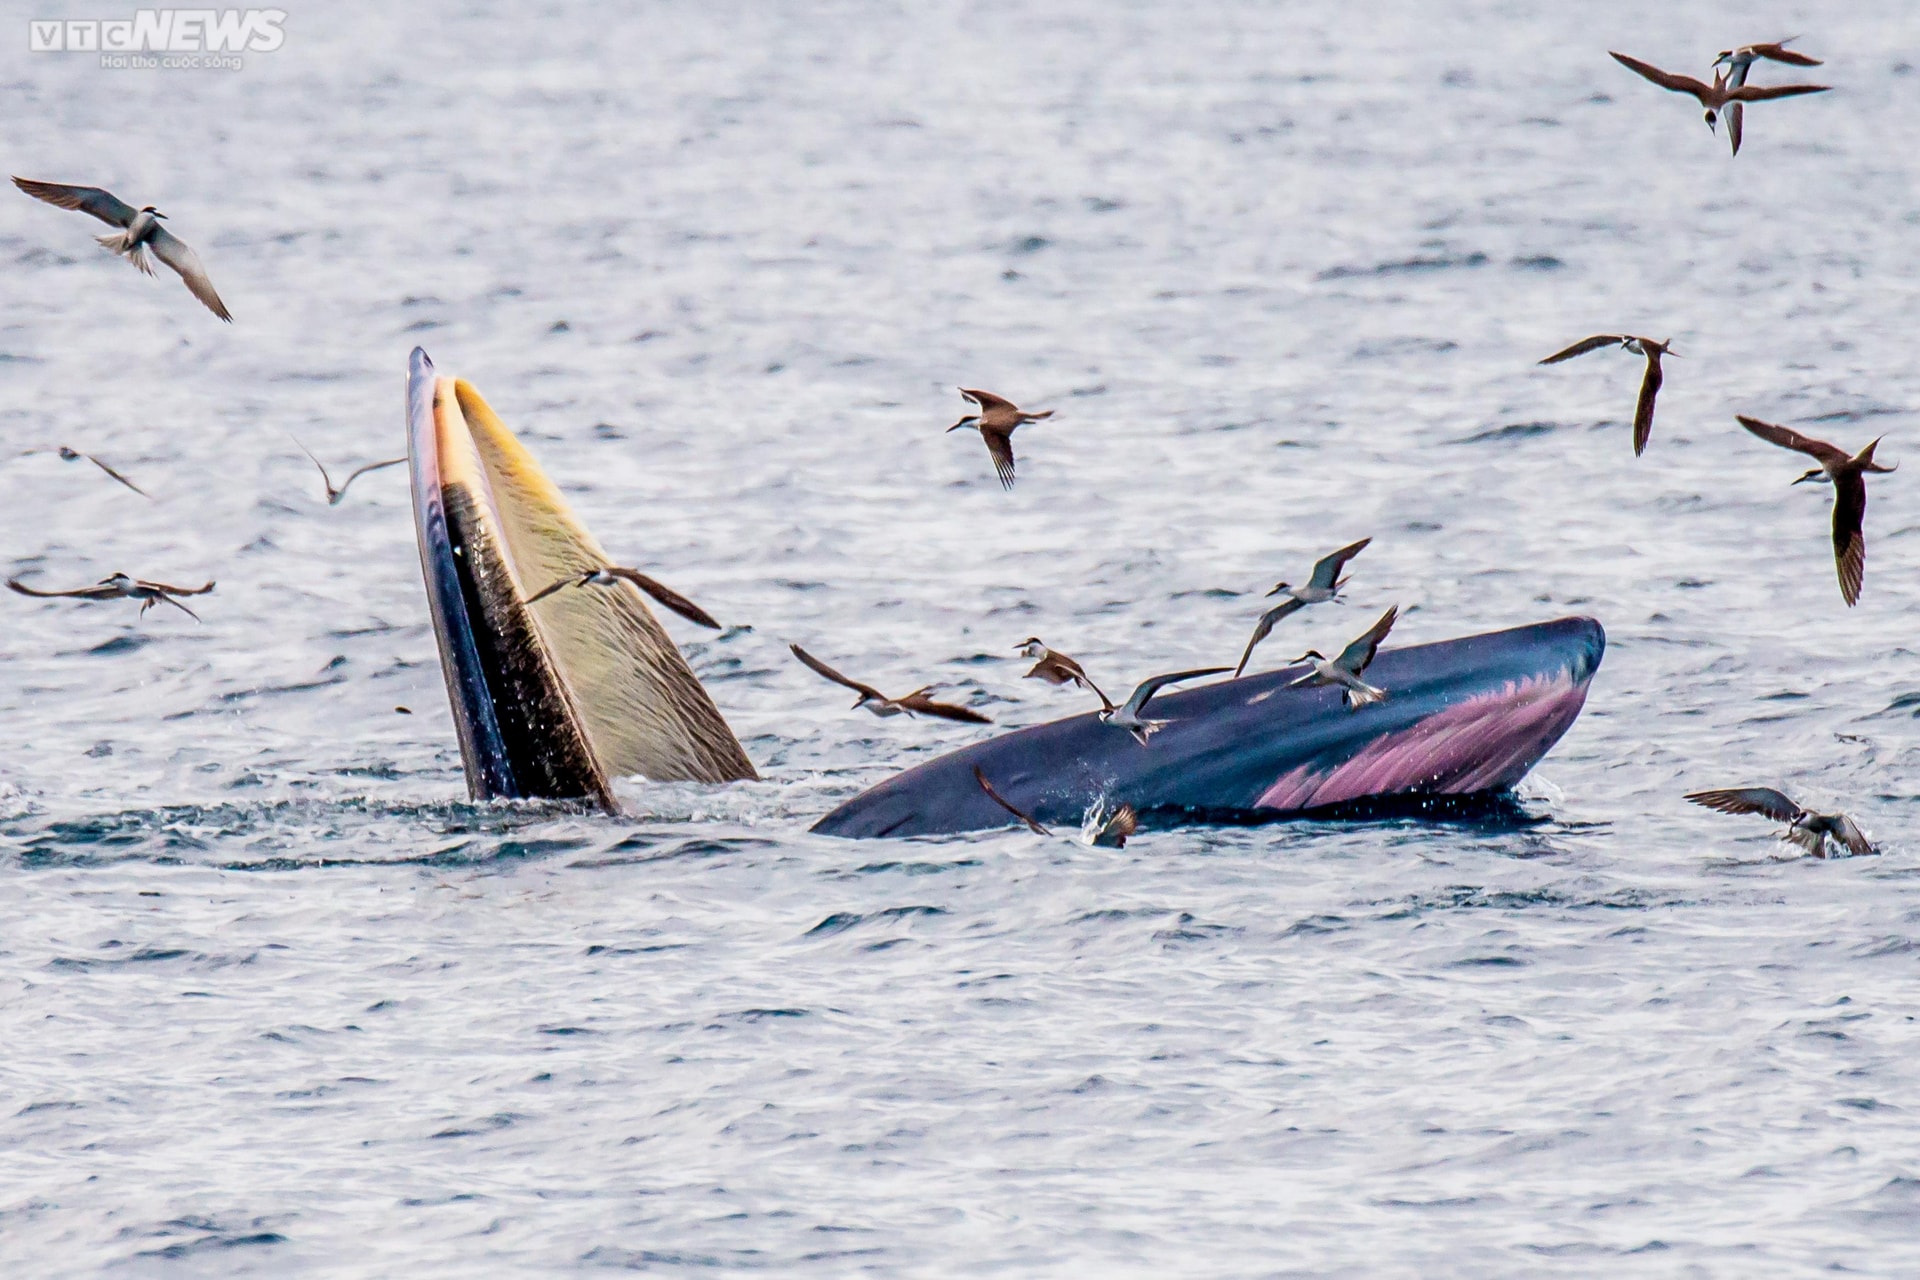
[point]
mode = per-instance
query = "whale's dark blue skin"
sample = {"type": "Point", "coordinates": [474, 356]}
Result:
{"type": "Point", "coordinates": [1463, 717]}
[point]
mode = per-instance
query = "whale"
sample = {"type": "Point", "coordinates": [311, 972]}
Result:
{"type": "Point", "coordinates": [552, 700]}
{"type": "Point", "coordinates": [555, 699]}
{"type": "Point", "coordinates": [1467, 717]}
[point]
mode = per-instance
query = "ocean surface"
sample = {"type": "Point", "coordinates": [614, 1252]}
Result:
{"type": "Point", "coordinates": [276, 1000]}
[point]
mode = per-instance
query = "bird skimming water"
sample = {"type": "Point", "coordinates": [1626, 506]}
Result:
{"type": "Point", "coordinates": [141, 231]}
{"type": "Point", "coordinates": [121, 587]}
{"type": "Point", "coordinates": [1109, 829]}
{"type": "Point", "coordinates": [1720, 93]}
{"type": "Point", "coordinates": [1346, 669]}
{"type": "Point", "coordinates": [608, 575]}
{"type": "Point", "coordinates": [996, 421]}
{"type": "Point", "coordinates": [1805, 828]}
{"type": "Point", "coordinates": [1847, 473]}
{"type": "Point", "coordinates": [916, 703]}
{"type": "Point", "coordinates": [1128, 716]}
{"type": "Point", "coordinates": [1324, 585]}
{"type": "Point", "coordinates": [1649, 385]}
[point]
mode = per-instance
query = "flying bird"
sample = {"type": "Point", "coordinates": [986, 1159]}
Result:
{"type": "Point", "coordinates": [1324, 585]}
{"type": "Point", "coordinates": [1057, 668]}
{"type": "Point", "coordinates": [1738, 61]}
{"type": "Point", "coordinates": [1720, 93]}
{"type": "Point", "coordinates": [121, 587]}
{"type": "Point", "coordinates": [334, 496]}
{"type": "Point", "coordinates": [916, 703]}
{"type": "Point", "coordinates": [996, 421]}
{"type": "Point", "coordinates": [608, 574]}
{"type": "Point", "coordinates": [1649, 385]}
{"type": "Point", "coordinates": [1847, 474]}
{"type": "Point", "coordinates": [1110, 830]}
{"type": "Point", "coordinates": [1128, 716]}
{"type": "Point", "coordinates": [1346, 669]}
{"type": "Point", "coordinates": [74, 455]}
{"type": "Point", "coordinates": [1002, 801]}
{"type": "Point", "coordinates": [141, 231]}
{"type": "Point", "coordinates": [1805, 828]}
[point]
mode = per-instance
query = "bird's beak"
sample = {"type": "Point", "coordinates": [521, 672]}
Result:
{"type": "Point", "coordinates": [158, 214]}
{"type": "Point", "coordinates": [553, 704]}
{"type": "Point", "coordinates": [964, 422]}
{"type": "Point", "coordinates": [1278, 589]}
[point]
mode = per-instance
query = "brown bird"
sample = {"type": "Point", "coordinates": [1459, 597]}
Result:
{"type": "Point", "coordinates": [1110, 830]}
{"type": "Point", "coordinates": [140, 231]}
{"type": "Point", "coordinates": [1739, 60]}
{"type": "Point", "coordinates": [996, 420]}
{"type": "Point", "coordinates": [74, 455]}
{"type": "Point", "coordinates": [1002, 801]}
{"type": "Point", "coordinates": [609, 574]}
{"type": "Point", "coordinates": [916, 703]}
{"type": "Point", "coordinates": [121, 587]}
{"type": "Point", "coordinates": [1718, 94]}
{"type": "Point", "coordinates": [1649, 385]}
{"type": "Point", "coordinates": [1057, 668]}
{"type": "Point", "coordinates": [335, 495]}
{"type": "Point", "coordinates": [1847, 474]}
{"type": "Point", "coordinates": [1805, 828]}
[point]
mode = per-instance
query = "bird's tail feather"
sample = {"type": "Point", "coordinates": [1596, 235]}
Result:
{"type": "Point", "coordinates": [1361, 695]}
{"type": "Point", "coordinates": [135, 251]}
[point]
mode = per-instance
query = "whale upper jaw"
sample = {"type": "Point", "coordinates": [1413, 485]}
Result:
{"type": "Point", "coordinates": [552, 700]}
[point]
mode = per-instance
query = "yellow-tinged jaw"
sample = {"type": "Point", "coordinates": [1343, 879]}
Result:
{"type": "Point", "coordinates": [581, 687]}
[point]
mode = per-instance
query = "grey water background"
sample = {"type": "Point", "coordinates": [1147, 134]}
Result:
{"type": "Point", "coordinates": [275, 999]}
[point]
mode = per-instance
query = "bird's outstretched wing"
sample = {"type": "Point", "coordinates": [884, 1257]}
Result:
{"type": "Point", "coordinates": [1788, 438]}
{"type": "Point", "coordinates": [1153, 684]}
{"type": "Point", "coordinates": [1003, 802]}
{"type": "Point", "coordinates": [920, 704]}
{"type": "Point", "coordinates": [1000, 447]}
{"type": "Point", "coordinates": [1358, 656]}
{"type": "Point", "coordinates": [552, 587]}
{"type": "Point", "coordinates": [1852, 836]}
{"type": "Point", "coordinates": [1778, 52]}
{"type": "Point", "coordinates": [820, 668]}
{"type": "Point", "coordinates": [1643, 409]}
{"type": "Point", "coordinates": [102, 204]}
{"type": "Point", "coordinates": [1736, 118]}
{"type": "Point", "coordinates": [1762, 92]}
{"type": "Point", "coordinates": [360, 471]}
{"type": "Point", "coordinates": [172, 590]}
{"type": "Point", "coordinates": [173, 251]}
{"type": "Point", "coordinates": [67, 453]}
{"type": "Point", "coordinates": [1327, 571]}
{"type": "Point", "coordinates": [1849, 534]}
{"type": "Point", "coordinates": [1665, 79]}
{"type": "Point", "coordinates": [1585, 345]}
{"type": "Point", "coordinates": [1120, 824]}
{"type": "Point", "coordinates": [1762, 800]}
{"type": "Point", "coordinates": [665, 595]}
{"type": "Point", "coordinates": [100, 591]}
{"type": "Point", "coordinates": [988, 400]}
{"type": "Point", "coordinates": [1263, 627]}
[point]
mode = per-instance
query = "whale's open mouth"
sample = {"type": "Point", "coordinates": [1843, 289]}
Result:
{"type": "Point", "coordinates": [555, 699]}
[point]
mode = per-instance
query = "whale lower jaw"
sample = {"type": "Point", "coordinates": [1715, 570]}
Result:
{"type": "Point", "coordinates": [1462, 717]}
{"type": "Point", "coordinates": [554, 700]}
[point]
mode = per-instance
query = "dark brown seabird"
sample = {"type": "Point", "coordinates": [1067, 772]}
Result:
{"type": "Point", "coordinates": [608, 575]}
{"type": "Point", "coordinates": [1847, 473]}
{"type": "Point", "coordinates": [1718, 94]}
{"type": "Point", "coordinates": [121, 587]}
{"type": "Point", "coordinates": [1805, 828]}
{"type": "Point", "coordinates": [1057, 668]}
{"type": "Point", "coordinates": [1649, 385]}
{"type": "Point", "coordinates": [1110, 830]}
{"type": "Point", "coordinates": [916, 703]}
{"type": "Point", "coordinates": [997, 419]}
